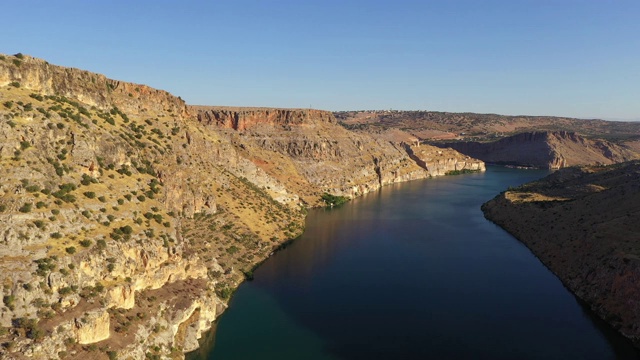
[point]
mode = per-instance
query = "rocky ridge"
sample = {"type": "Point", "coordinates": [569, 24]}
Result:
{"type": "Point", "coordinates": [547, 150]}
{"type": "Point", "coordinates": [583, 224]}
{"type": "Point", "coordinates": [106, 225]}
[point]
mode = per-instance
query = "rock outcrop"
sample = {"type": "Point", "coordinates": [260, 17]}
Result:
{"type": "Point", "coordinates": [547, 150]}
{"type": "Point", "coordinates": [439, 161]}
{"type": "Point", "coordinates": [309, 153]}
{"type": "Point", "coordinates": [583, 224]}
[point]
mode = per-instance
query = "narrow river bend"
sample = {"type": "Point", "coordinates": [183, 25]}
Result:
{"type": "Point", "coordinates": [413, 271]}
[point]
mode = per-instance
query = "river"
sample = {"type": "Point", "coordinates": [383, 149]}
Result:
{"type": "Point", "coordinates": [413, 271]}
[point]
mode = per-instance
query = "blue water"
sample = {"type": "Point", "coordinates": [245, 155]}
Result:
{"type": "Point", "coordinates": [413, 271]}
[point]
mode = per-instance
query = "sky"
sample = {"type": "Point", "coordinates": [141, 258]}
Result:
{"type": "Point", "coordinates": [577, 58]}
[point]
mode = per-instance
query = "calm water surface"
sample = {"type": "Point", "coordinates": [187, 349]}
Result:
{"type": "Point", "coordinates": [411, 272]}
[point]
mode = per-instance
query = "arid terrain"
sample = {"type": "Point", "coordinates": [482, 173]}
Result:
{"type": "Point", "coordinates": [530, 141]}
{"type": "Point", "coordinates": [118, 199]}
{"type": "Point", "coordinates": [582, 223]}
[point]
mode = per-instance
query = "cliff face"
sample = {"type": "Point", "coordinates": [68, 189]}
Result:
{"type": "Point", "coordinates": [551, 150]}
{"type": "Point", "coordinates": [247, 118]}
{"type": "Point", "coordinates": [89, 88]}
{"type": "Point", "coordinates": [583, 224]}
{"type": "Point", "coordinates": [128, 218]}
{"type": "Point", "coordinates": [440, 161]}
{"type": "Point", "coordinates": [309, 153]}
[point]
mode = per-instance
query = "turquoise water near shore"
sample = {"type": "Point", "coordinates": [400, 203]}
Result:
{"type": "Point", "coordinates": [413, 271]}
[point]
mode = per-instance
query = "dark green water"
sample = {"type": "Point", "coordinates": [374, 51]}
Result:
{"type": "Point", "coordinates": [411, 272]}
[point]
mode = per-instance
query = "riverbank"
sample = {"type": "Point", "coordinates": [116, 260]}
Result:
{"type": "Point", "coordinates": [392, 266]}
{"type": "Point", "coordinates": [583, 224]}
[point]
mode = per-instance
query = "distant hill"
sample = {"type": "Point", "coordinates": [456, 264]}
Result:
{"type": "Point", "coordinates": [538, 141]}
{"type": "Point", "coordinates": [483, 127]}
{"type": "Point", "coordinates": [547, 150]}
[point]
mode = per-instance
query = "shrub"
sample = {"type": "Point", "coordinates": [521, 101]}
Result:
{"type": "Point", "coordinates": [334, 200]}
{"type": "Point", "coordinates": [89, 194]}
{"type": "Point", "coordinates": [56, 235]}
{"type": "Point", "coordinates": [8, 301]}
{"type": "Point", "coordinates": [71, 250]}
{"type": "Point", "coordinates": [15, 83]}
{"type": "Point", "coordinates": [85, 243]}
{"type": "Point", "coordinates": [127, 229]}
{"type": "Point", "coordinates": [25, 208]}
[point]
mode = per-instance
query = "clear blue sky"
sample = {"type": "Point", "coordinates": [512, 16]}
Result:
{"type": "Point", "coordinates": [538, 57]}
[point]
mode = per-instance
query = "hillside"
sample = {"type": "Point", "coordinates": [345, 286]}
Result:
{"type": "Point", "coordinates": [583, 224]}
{"type": "Point", "coordinates": [434, 125]}
{"type": "Point", "coordinates": [118, 199]}
{"type": "Point", "coordinates": [547, 150]}
{"type": "Point", "coordinates": [532, 141]}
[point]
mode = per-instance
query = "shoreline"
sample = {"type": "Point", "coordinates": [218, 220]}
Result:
{"type": "Point", "coordinates": [590, 249]}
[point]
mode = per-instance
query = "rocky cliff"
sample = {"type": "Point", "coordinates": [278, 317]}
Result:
{"type": "Point", "coordinates": [309, 153]}
{"type": "Point", "coordinates": [548, 150]}
{"type": "Point", "coordinates": [439, 161]}
{"type": "Point", "coordinates": [128, 218]}
{"type": "Point", "coordinates": [583, 224]}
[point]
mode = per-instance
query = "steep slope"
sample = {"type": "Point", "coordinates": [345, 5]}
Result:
{"type": "Point", "coordinates": [128, 218]}
{"type": "Point", "coordinates": [309, 153]}
{"type": "Point", "coordinates": [550, 150]}
{"type": "Point", "coordinates": [306, 150]}
{"type": "Point", "coordinates": [584, 225]}
{"type": "Point", "coordinates": [106, 225]}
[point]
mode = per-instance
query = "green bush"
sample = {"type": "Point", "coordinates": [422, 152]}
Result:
{"type": "Point", "coordinates": [89, 194]}
{"type": "Point", "coordinates": [25, 208]}
{"type": "Point", "coordinates": [85, 243]}
{"type": "Point", "coordinates": [334, 200]}
{"type": "Point", "coordinates": [70, 250]}
{"type": "Point", "coordinates": [56, 235]}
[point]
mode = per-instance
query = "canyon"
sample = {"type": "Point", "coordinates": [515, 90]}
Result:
{"type": "Point", "coordinates": [129, 217]}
